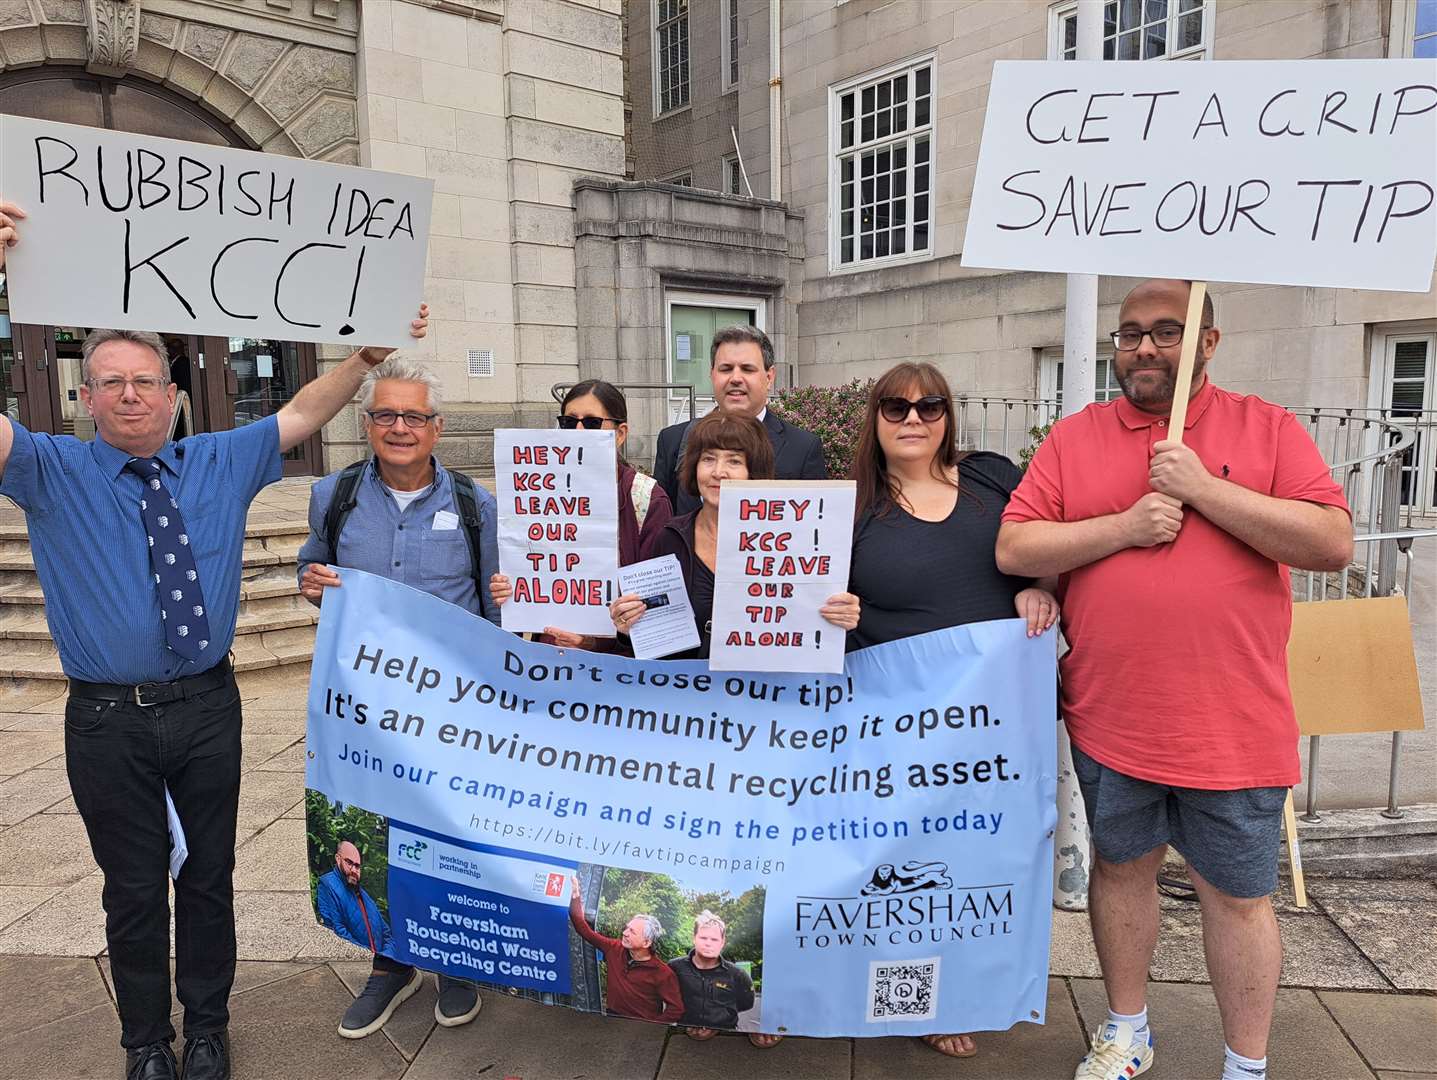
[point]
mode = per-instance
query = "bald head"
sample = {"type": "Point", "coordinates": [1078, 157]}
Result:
{"type": "Point", "coordinates": [1172, 290]}
{"type": "Point", "coordinates": [346, 858]}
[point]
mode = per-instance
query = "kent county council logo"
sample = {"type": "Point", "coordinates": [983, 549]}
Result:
{"type": "Point", "coordinates": [911, 903]}
{"type": "Point", "coordinates": [413, 853]}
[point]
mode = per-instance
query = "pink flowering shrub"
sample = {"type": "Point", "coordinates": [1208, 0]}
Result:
{"type": "Point", "coordinates": [833, 413]}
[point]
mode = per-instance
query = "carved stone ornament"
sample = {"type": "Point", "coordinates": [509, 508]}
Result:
{"type": "Point", "coordinates": [114, 35]}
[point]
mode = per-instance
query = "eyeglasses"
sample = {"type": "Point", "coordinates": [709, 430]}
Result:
{"type": "Point", "coordinates": [1164, 335]}
{"type": "Point", "coordinates": [113, 385]}
{"type": "Point", "coordinates": [896, 409]}
{"type": "Point", "coordinates": [388, 418]}
{"type": "Point", "coordinates": [588, 423]}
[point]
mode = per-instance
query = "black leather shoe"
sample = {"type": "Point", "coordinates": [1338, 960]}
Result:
{"type": "Point", "coordinates": [154, 1061]}
{"type": "Point", "coordinates": [207, 1057]}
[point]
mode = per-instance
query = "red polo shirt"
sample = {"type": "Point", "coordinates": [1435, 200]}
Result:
{"type": "Point", "coordinates": [1177, 669]}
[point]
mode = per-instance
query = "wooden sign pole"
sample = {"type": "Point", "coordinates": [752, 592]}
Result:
{"type": "Point", "coordinates": [1182, 385]}
{"type": "Point", "coordinates": [1294, 853]}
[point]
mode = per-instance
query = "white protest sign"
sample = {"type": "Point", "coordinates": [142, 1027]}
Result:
{"type": "Point", "coordinates": [783, 550]}
{"type": "Point", "coordinates": [558, 494]}
{"type": "Point", "coordinates": [1285, 172]}
{"type": "Point", "coordinates": [140, 233]}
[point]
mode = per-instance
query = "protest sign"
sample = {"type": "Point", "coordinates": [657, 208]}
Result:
{"type": "Point", "coordinates": [140, 233]}
{"type": "Point", "coordinates": [1287, 172]}
{"type": "Point", "coordinates": [879, 840]}
{"type": "Point", "coordinates": [783, 550]}
{"type": "Point", "coordinates": [667, 625]}
{"type": "Point", "coordinates": [558, 528]}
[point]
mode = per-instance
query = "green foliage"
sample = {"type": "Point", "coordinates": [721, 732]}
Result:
{"type": "Point", "coordinates": [1037, 434]}
{"type": "Point", "coordinates": [327, 824]}
{"type": "Point", "coordinates": [833, 413]}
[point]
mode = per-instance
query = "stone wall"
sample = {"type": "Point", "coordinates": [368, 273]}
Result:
{"type": "Point", "coordinates": [635, 240]}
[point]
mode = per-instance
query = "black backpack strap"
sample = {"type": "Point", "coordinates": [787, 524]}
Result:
{"type": "Point", "coordinates": [467, 502]}
{"type": "Point", "coordinates": [341, 502]}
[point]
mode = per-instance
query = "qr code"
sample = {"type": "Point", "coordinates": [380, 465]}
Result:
{"type": "Point", "coordinates": [903, 991]}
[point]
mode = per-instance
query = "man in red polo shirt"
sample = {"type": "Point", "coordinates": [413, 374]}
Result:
{"type": "Point", "coordinates": [641, 985]}
{"type": "Point", "coordinates": [1177, 607]}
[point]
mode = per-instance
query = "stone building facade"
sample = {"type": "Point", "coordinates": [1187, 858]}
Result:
{"type": "Point", "coordinates": [501, 102]}
{"type": "Point", "coordinates": [858, 311]}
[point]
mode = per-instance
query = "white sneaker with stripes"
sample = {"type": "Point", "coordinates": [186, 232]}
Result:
{"type": "Point", "coordinates": [1117, 1054]}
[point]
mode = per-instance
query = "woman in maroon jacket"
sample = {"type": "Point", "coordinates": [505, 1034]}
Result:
{"type": "Point", "coordinates": [644, 507]}
{"type": "Point", "coordinates": [721, 446]}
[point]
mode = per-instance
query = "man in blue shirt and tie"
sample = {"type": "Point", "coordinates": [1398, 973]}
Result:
{"type": "Point", "coordinates": [137, 543]}
{"type": "Point", "coordinates": [407, 524]}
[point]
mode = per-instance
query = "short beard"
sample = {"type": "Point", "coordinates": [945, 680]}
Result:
{"type": "Point", "coordinates": [1162, 393]}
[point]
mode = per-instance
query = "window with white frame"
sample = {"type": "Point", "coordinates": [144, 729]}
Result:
{"type": "Point", "coordinates": [729, 12]}
{"type": "Point", "coordinates": [732, 175]}
{"type": "Point", "coordinates": [1138, 30]}
{"type": "Point", "coordinates": [1414, 29]}
{"type": "Point", "coordinates": [671, 55]}
{"type": "Point", "coordinates": [1050, 376]}
{"type": "Point", "coordinates": [683, 179]}
{"type": "Point", "coordinates": [882, 166]}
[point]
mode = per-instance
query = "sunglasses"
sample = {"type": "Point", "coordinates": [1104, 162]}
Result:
{"type": "Point", "coordinates": [588, 423]}
{"type": "Point", "coordinates": [895, 409]}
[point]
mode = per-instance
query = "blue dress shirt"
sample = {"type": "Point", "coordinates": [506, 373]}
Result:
{"type": "Point", "coordinates": [82, 508]}
{"type": "Point", "coordinates": [380, 539]}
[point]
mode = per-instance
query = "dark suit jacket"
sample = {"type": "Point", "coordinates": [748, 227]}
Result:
{"type": "Point", "coordinates": [797, 455]}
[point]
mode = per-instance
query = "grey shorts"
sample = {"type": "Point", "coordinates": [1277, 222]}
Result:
{"type": "Point", "coordinates": [1231, 838]}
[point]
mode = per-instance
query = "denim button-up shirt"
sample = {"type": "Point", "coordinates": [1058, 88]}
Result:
{"type": "Point", "coordinates": [403, 545]}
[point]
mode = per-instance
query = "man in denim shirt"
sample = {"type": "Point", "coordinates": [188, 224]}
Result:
{"type": "Point", "coordinates": [405, 525]}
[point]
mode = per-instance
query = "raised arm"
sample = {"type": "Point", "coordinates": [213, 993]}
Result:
{"type": "Point", "coordinates": [317, 402]}
{"type": "Point", "coordinates": [9, 214]}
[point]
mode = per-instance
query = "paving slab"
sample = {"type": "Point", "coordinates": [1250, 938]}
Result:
{"type": "Point", "coordinates": [25, 697]}
{"type": "Point", "coordinates": [1387, 1075]}
{"type": "Point", "coordinates": [1392, 1031]}
{"type": "Point", "coordinates": [47, 849]}
{"type": "Point", "coordinates": [19, 900]}
{"type": "Point", "coordinates": [265, 796]}
{"type": "Point", "coordinates": [85, 1046]}
{"type": "Point", "coordinates": [297, 810]}
{"type": "Point", "coordinates": [1305, 1040]}
{"type": "Point", "coordinates": [249, 975]}
{"type": "Point", "coordinates": [28, 721]}
{"type": "Point", "coordinates": [1315, 953]}
{"type": "Point", "coordinates": [413, 1021]}
{"type": "Point", "coordinates": [728, 1056]}
{"type": "Point", "coordinates": [289, 761]}
{"type": "Point", "coordinates": [1323, 889]}
{"type": "Point", "coordinates": [21, 750]}
{"type": "Point", "coordinates": [289, 721]}
{"type": "Point", "coordinates": [1395, 935]}
{"type": "Point", "coordinates": [40, 989]}
{"type": "Point", "coordinates": [275, 1034]}
{"type": "Point", "coordinates": [1024, 1052]}
{"type": "Point", "coordinates": [31, 792]}
{"type": "Point", "coordinates": [517, 1038]}
{"type": "Point", "coordinates": [281, 926]}
{"type": "Point", "coordinates": [255, 750]}
{"type": "Point", "coordinates": [274, 859]}
{"type": "Point", "coordinates": [70, 923]}
{"type": "Point", "coordinates": [1072, 951]}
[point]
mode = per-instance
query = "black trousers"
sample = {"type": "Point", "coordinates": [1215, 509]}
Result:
{"type": "Point", "coordinates": [120, 758]}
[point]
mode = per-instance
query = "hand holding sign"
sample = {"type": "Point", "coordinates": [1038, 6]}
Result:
{"type": "Point", "coordinates": [9, 213]}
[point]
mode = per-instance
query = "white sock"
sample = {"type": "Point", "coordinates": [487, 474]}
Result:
{"type": "Point", "coordinates": [1139, 1022]}
{"type": "Point", "coordinates": [1237, 1067]}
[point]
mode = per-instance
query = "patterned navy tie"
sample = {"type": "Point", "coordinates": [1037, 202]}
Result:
{"type": "Point", "coordinates": [182, 602]}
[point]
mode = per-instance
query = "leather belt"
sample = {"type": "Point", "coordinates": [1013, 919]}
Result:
{"type": "Point", "coordinates": [156, 693]}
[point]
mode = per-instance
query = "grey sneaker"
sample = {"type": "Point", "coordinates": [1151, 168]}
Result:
{"type": "Point", "coordinates": [458, 1002]}
{"type": "Point", "coordinates": [382, 994]}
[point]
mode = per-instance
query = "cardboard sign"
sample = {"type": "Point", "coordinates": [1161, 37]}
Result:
{"type": "Point", "coordinates": [1299, 172]}
{"type": "Point", "coordinates": [558, 496]}
{"type": "Point", "coordinates": [138, 233]}
{"type": "Point", "coordinates": [783, 549]}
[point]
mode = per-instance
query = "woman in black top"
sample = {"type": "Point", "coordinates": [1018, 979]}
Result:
{"type": "Point", "coordinates": [925, 534]}
{"type": "Point", "coordinates": [721, 447]}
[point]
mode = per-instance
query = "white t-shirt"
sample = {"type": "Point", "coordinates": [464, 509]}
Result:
{"type": "Point", "coordinates": [404, 498]}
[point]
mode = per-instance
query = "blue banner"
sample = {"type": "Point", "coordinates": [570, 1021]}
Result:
{"type": "Point", "coordinates": [858, 854]}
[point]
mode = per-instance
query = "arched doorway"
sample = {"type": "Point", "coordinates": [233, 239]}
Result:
{"type": "Point", "coordinates": [229, 381]}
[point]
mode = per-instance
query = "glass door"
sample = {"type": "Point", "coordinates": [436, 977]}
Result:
{"type": "Point", "coordinates": [691, 334]}
{"type": "Point", "coordinates": [261, 376]}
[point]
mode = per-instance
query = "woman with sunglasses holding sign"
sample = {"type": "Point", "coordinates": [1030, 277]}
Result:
{"type": "Point", "coordinates": [644, 507]}
{"type": "Point", "coordinates": [925, 534]}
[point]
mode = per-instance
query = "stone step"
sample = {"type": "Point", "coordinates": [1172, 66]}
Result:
{"type": "Point", "coordinates": [32, 629]}
{"type": "Point", "coordinates": [272, 550]}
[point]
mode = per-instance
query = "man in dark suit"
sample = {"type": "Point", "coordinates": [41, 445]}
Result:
{"type": "Point", "coordinates": [741, 367]}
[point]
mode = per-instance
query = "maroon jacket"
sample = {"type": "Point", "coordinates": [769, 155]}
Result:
{"type": "Point", "coordinates": [644, 989]}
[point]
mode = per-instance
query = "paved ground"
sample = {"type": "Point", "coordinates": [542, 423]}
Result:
{"type": "Point", "coordinates": [1358, 999]}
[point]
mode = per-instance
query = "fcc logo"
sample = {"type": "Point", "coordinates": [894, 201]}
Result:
{"type": "Point", "coordinates": [412, 853]}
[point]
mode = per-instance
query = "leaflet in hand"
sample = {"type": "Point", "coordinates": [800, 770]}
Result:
{"type": "Point", "coordinates": [668, 625]}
